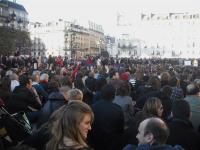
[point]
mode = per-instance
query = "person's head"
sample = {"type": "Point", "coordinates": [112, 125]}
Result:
{"type": "Point", "coordinates": [124, 89]}
{"type": "Point", "coordinates": [197, 82]}
{"type": "Point", "coordinates": [174, 81]}
{"type": "Point", "coordinates": [14, 76]}
{"type": "Point", "coordinates": [72, 121]}
{"type": "Point", "coordinates": [124, 76]}
{"type": "Point", "coordinates": [36, 72]}
{"type": "Point", "coordinates": [152, 130]}
{"type": "Point", "coordinates": [114, 74]}
{"type": "Point", "coordinates": [5, 84]}
{"type": "Point", "coordinates": [100, 83]}
{"type": "Point", "coordinates": [108, 92]}
{"type": "Point", "coordinates": [78, 83]}
{"type": "Point", "coordinates": [53, 86]}
{"type": "Point", "coordinates": [166, 90]}
{"type": "Point", "coordinates": [75, 94]}
{"type": "Point", "coordinates": [165, 76]}
{"type": "Point", "coordinates": [66, 81]}
{"type": "Point", "coordinates": [36, 78]}
{"type": "Point", "coordinates": [192, 89]}
{"type": "Point", "coordinates": [79, 75]}
{"type": "Point", "coordinates": [154, 82]}
{"type": "Point", "coordinates": [90, 83]}
{"type": "Point", "coordinates": [25, 81]}
{"type": "Point", "coordinates": [64, 91]}
{"type": "Point", "coordinates": [153, 106]}
{"type": "Point", "coordinates": [44, 77]}
{"type": "Point", "coordinates": [91, 74]}
{"type": "Point", "coordinates": [181, 109]}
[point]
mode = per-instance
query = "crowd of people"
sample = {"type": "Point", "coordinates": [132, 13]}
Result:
{"type": "Point", "coordinates": [98, 103]}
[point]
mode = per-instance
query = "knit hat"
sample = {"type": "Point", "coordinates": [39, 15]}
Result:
{"type": "Point", "coordinates": [124, 76]}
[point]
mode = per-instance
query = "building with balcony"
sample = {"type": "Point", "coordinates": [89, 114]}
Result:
{"type": "Point", "coordinates": [13, 15]}
{"type": "Point", "coordinates": [37, 47]}
{"type": "Point", "coordinates": [83, 41]}
{"type": "Point", "coordinates": [76, 40]}
{"type": "Point", "coordinates": [97, 39]}
{"type": "Point", "coordinates": [96, 42]}
{"type": "Point", "coordinates": [3, 14]}
{"type": "Point", "coordinates": [66, 38]}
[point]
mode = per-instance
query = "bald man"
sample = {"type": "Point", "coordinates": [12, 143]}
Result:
{"type": "Point", "coordinates": [152, 135]}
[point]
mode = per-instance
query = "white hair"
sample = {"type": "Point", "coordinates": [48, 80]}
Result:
{"type": "Point", "coordinates": [44, 76]}
{"type": "Point", "coordinates": [14, 76]}
{"type": "Point", "coordinates": [36, 72]}
{"type": "Point", "coordinates": [9, 73]}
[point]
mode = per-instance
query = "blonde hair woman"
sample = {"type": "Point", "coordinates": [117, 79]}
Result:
{"type": "Point", "coordinates": [69, 126]}
{"type": "Point", "coordinates": [153, 106]}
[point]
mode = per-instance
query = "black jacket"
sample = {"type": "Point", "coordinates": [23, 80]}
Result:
{"type": "Point", "coordinates": [108, 126]}
{"type": "Point", "coordinates": [55, 101]}
{"type": "Point", "coordinates": [182, 133]}
{"type": "Point", "coordinates": [21, 98]}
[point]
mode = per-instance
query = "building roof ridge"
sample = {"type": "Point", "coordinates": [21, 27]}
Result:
{"type": "Point", "coordinates": [13, 5]}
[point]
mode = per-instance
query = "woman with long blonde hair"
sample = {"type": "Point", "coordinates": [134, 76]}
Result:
{"type": "Point", "coordinates": [69, 126]}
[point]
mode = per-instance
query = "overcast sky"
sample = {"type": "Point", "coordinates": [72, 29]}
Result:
{"type": "Point", "coordinates": [103, 12]}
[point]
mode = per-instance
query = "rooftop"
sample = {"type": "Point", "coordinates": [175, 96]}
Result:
{"type": "Point", "coordinates": [13, 5]}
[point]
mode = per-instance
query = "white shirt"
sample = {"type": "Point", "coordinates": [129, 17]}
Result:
{"type": "Point", "coordinates": [14, 83]}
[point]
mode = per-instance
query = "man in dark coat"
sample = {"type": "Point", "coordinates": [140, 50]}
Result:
{"type": "Point", "coordinates": [181, 129]}
{"type": "Point", "coordinates": [108, 125]}
{"type": "Point", "coordinates": [24, 97]}
{"type": "Point", "coordinates": [55, 101]}
{"type": "Point", "coordinates": [152, 135]}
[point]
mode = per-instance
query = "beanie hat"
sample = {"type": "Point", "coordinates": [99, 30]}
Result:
{"type": "Point", "coordinates": [124, 76]}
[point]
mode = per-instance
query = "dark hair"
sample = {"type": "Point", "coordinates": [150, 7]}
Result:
{"type": "Point", "coordinates": [173, 81]}
{"type": "Point", "coordinates": [90, 83]}
{"type": "Point", "coordinates": [108, 92]}
{"type": "Point", "coordinates": [181, 109]}
{"type": "Point", "coordinates": [192, 89]}
{"type": "Point", "coordinates": [158, 128]}
{"type": "Point", "coordinates": [79, 75]}
{"type": "Point", "coordinates": [100, 83]}
{"type": "Point", "coordinates": [112, 73]}
{"type": "Point", "coordinates": [154, 82]}
{"type": "Point", "coordinates": [5, 84]}
{"type": "Point", "coordinates": [124, 89]}
{"type": "Point", "coordinates": [78, 83]}
{"type": "Point", "coordinates": [53, 86]}
{"type": "Point", "coordinates": [66, 81]}
{"type": "Point", "coordinates": [24, 80]}
{"type": "Point", "coordinates": [166, 90]}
